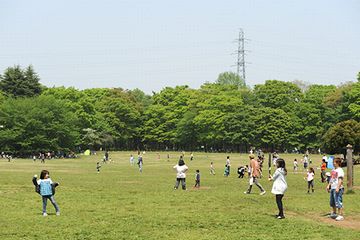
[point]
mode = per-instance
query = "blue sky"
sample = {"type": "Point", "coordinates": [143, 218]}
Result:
{"type": "Point", "coordinates": [153, 44]}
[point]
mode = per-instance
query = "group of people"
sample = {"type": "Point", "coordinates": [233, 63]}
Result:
{"type": "Point", "coordinates": [6, 156]}
{"type": "Point", "coordinates": [46, 187]}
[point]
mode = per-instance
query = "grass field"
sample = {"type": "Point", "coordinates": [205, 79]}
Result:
{"type": "Point", "coordinates": [121, 203]}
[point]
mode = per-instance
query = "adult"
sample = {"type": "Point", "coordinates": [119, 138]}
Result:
{"type": "Point", "coordinates": [181, 170]}
{"type": "Point", "coordinates": [255, 174]}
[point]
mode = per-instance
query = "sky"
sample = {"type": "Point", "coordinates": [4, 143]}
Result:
{"type": "Point", "coordinates": [154, 44]}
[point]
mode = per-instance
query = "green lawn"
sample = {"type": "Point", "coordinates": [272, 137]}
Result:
{"type": "Point", "coordinates": [121, 203]}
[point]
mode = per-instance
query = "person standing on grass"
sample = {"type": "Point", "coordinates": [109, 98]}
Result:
{"type": "Point", "coordinates": [306, 162]}
{"type": "Point", "coordinates": [325, 159]}
{"type": "Point", "coordinates": [106, 156]}
{"type": "Point", "coordinates": [181, 170]}
{"type": "Point", "coordinates": [336, 189]}
{"type": "Point", "coordinates": [279, 185]}
{"type": "Point", "coordinates": [212, 169]}
{"type": "Point", "coordinates": [228, 164]}
{"type": "Point", "coordinates": [131, 160]}
{"type": "Point", "coordinates": [323, 171]}
{"type": "Point", "coordinates": [98, 166]}
{"type": "Point", "coordinates": [140, 163]}
{"type": "Point", "coordinates": [255, 174]}
{"type": "Point", "coordinates": [310, 179]}
{"type": "Point", "coordinates": [295, 165]}
{"type": "Point", "coordinates": [197, 179]}
{"type": "Point", "coordinates": [47, 191]}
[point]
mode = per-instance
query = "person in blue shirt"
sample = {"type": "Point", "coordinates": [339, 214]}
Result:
{"type": "Point", "coordinates": [46, 190]}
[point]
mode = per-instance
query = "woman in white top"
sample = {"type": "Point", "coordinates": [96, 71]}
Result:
{"type": "Point", "coordinates": [180, 169]}
{"type": "Point", "coordinates": [279, 186]}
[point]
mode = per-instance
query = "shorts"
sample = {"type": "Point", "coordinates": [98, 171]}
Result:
{"type": "Point", "coordinates": [336, 198]}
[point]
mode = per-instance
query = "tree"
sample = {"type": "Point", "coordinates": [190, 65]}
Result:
{"type": "Point", "coordinates": [343, 133]}
{"type": "Point", "coordinates": [230, 78]}
{"type": "Point", "coordinates": [91, 138]}
{"type": "Point", "coordinates": [163, 115]}
{"type": "Point", "coordinates": [278, 94]}
{"type": "Point", "coordinates": [16, 82]}
{"type": "Point", "coordinates": [38, 124]}
{"type": "Point", "coordinates": [354, 95]}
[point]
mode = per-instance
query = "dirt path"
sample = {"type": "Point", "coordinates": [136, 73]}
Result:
{"type": "Point", "coordinates": [349, 222]}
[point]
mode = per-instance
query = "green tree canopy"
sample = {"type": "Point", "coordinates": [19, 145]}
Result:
{"type": "Point", "coordinates": [17, 82]}
{"type": "Point", "coordinates": [37, 124]}
{"type": "Point", "coordinates": [343, 133]}
{"type": "Point", "coordinates": [231, 78]}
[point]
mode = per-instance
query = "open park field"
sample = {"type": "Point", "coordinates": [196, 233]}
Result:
{"type": "Point", "coordinates": [121, 203]}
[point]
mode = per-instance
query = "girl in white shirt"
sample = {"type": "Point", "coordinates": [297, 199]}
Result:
{"type": "Point", "coordinates": [310, 179]}
{"type": "Point", "coordinates": [180, 169]}
{"type": "Point", "coordinates": [279, 186]}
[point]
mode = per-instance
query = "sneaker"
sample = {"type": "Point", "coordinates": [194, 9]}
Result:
{"type": "Point", "coordinates": [333, 215]}
{"type": "Point", "coordinates": [339, 218]}
{"type": "Point", "coordinates": [263, 192]}
{"type": "Point", "coordinates": [44, 214]}
{"type": "Point", "coordinates": [246, 192]}
{"type": "Point", "coordinates": [280, 217]}
{"type": "Point", "coordinates": [57, 213]}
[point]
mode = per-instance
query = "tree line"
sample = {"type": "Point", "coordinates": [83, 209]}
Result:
{"type": "Point", "coordinates": [222, 116]}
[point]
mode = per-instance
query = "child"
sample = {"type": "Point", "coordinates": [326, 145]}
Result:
{"type": "Point", "coordinates": [306, 162]}
{"type": "Point", "coordinates": [226, 171]}
{"type": "Point", "coordinates": [140, 163]}
{"type": "Point", "coordinates": [295, 165]}
{"type": "Point", "coordinates": [248, 170]}
{"type": "Point", "coordinates": [191, 156]}
{"type": "Point", "coordinates": [46, 189]}
{"type": "Point", "coordinates": [323, 169]}
{"type": "Point", "coordinates": [279, 186]}
{"type": "Point", "coordinates": [328, 177]}
{"type": "Point", "coordinates": [181, 170]}
{"type": "Point", "coordinates": [212, 169]}
{"type": "Point", "coordinates": [310, 179]}
{"type": "Point", "coordinates": [241, 171]}
{"type": "Point", "coordinates": [228, 164]}
{"type": "Point", "coordinates": [131, 160]}
{"type": "Point", "coordinates": [98, 166]}
{"type": "Point", "coordinates": [336, 189]}
{"type": "Point", "coordinates": [197, 179]}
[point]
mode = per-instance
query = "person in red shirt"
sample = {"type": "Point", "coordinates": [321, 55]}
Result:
{"type": "Point", "coordinates": [323, 171]}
